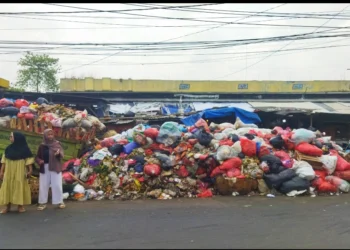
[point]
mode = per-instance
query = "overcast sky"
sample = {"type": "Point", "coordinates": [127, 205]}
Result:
{"type": "Point", "coordinates": [239, 62]}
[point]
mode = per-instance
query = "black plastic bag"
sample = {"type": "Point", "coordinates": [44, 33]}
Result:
{"type": "Point", "coordinates": [318, 144]}
{"type": "Point", "coordinates": [249, 136]}
{"type": "Point", "coordinates": [277, 142]}
{"type": "Point", "coordinates": [165, 161]}
{"type": "Point", "coordinates": [204, 138]}
{"type": "Point", "coordinates": [276, 180]}
{"type": "Point", "coordinates": [11, 111]}
{"type": "Point", "coordinates": [42, 100]}
{"type": "Point", "coordinates": [241, 155]}
{"type": "Point", "coordinates": [116, 149]}
{"type": "Point", "coordinates": [274, 163]}
{"type": "Point", "coordinates": [129, 114]}
{"type": "Point", "coordinates": [140, 159]}
{"type": "Point", "coordinates": [234, 137]}
{"type": "Point", "coordinates": [296, 183]}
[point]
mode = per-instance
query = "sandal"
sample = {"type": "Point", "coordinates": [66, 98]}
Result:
{"type": "Point", "coordinates": [62, 206]}
{"type": "Point", "coordinates": [21, 210]}
{"type": "Point", "coordinates": [4, 211]}
{"type": "Point", "coordinates": [41, 207]}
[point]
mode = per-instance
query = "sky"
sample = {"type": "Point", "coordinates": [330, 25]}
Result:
{"type": "Point", "coordinates": [148, 53]}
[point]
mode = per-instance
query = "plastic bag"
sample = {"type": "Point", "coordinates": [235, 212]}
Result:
{"type": "Point", "coordinates": [264, 150]}
{"type": "Point", "coordinates": [342, 185]}
{"type": "Point", "coordinates": [69, 123]}
{"type": "Point", "coordinates": [20, 103]}
{"type": "Point", "coordinates": [285, 158]}
{"type": "Point", "coordinates": [248, 147]}
{"type": "Point", "coordinates": [342, 165]}
{"type": "Point", "coordinates": [11, 111]}
{"type": "Point", "coordinates": [308, 149]}
{"type": "Point", "coordinates": [239, 124]}
{"type": "Point", "coordinates": [205, 194]}
{"type": "Point", "coordinates": [86, 124]}
{"type": "Point", "coordinates": [42, 100]}
{"type": "Point", "coordinates": [304, 170]}
{"type": "Point", "coordinates": [167, 162]}
{"type": "Point", "coordinates": [169, 133]}
{"type": "Point", "coordinates": [226, 142]}
{"type": "Point", "coordinates": [295, 184]}
{"type": "Point", "coordinates": [182, 172]}
{"type": "Point", "coordinates": [79, 189]}
{"type": "Point", "coordinates": [29, 116]}
{"type": "Point", "coordinates": [303, 135]}
{"type": "Point", "coordinates": [324, 186]}
{"type": "Point", "coordinates": [152, 169]}
{"type": "Point", "coordinates": [329, 163]}
{"type": "Point", "coordinates": [276, 180]}
{"type": "Point", "coordinates": [130, 147]}
{"type": "Point", "coordinates": [219, 136]}
{"type": "Point", "coordinates": [57, 123]}
{"type": "Point", "coordinates": [231, 163]}
{"type": "Point", "coordinates": [277, 142]}
{"type": "Point", "coordinates": [116, 149]}
{"type": "Point", "coordinates": [201, 123]}
{"type": "Point", "coordinates": [216, 171]}
{"type": "Point", "coordinates": [225, 152]}
{"type": "Point", "coordinates": [151, 133]}
{"type": "Point", "coordinates": [204, 138]}
{"type": "Point", "coordinates": [345, 175]}
{"type": "Point", "coordinates": [274, 163]}
{"type": "Point", "coordinates": [5, 103]}
{"type": "Point", "coordinates": [234, 172]}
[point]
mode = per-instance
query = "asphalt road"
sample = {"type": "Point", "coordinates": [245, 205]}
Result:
{"type": "Point", "coordinates": [220, 222]}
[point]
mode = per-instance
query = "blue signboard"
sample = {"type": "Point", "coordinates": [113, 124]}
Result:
{"type": "Point", "coordinates": [184, 86]}
{"type": "Point", "coordinates": [243, 86]}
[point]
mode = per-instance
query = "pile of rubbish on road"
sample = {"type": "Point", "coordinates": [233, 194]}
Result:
{"type": "Point", "coordinates": [36, 116]}
{"type": "Point", "coordinates": [205, 160]}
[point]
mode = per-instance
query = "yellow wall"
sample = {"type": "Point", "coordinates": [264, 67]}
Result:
{"type": "Point", "coordinates": [4, 83]}
{"type": "Point", "coordinates": [123, 85]}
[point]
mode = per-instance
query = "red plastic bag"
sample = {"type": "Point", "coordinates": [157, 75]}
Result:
{"type": "Point", "coordinates": [205, 194]}
{"type": "Point", "coordinates": [151, 133]}
{"type": "Point", "coordinates": [5, 103]}
{"type": "Point", "coordinates": [29, 116]}
{"type": "Point", "coordinates": [67, 178]}
{"type": "Point", "coordinates": [152, 169]}
{"type": "Point", "coordinates": [192, 141]}
{"type": "Point", "coordinates": [264, 150]}
{"type": "Point", "coordinates": [202, 123]}
{"type": "Point", "coordinates": [20, 115]}
{"type": "Point", "coordinates": [65, 165]}
{"type": "Point", "coordinates": [321, 173]}
{"type": "Point", "coordinates": [326, 187]}
{"type": "Point", "coordinates": [231, 163]}
{"type": "Point", "coordinates": [226, 142]}
{"type": "Point", "coordinates": [182, 172]}
{"type": "Point", "coordinates": [248, 147]}
{"type": "Point", "coordinates": [216, 171]}
{"type": "Point", "coordinates": [345, 175]}
{"type": "Point", "coordinates": [308, 149]}
{"type": "Point", "coordinates": [20, 103]}
{"type": "Point", "coordinates": [285, 158]}
{"type": "Point", "coordinates": [234, 172]}
{"type": "Point", "coordinates": [342, 165]}
{"type": "Point", "coordinates": [277, 130]}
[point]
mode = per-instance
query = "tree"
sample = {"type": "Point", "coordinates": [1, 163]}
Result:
{"type": "Point", "coordinates": [38, 73]}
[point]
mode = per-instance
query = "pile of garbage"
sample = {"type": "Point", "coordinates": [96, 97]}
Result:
{"type": "Point", "coordinates": [201, 161]}
{"type": "Point", "coordinates": [59, 116]}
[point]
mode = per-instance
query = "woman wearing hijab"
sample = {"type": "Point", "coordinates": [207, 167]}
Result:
{"type": "Point", "coordinates": [16, 168]}
{"type": "Point", "coordinates": [49, 156]}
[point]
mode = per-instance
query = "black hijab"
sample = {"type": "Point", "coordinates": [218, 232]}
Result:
{"type": "Point", "coordinates": [19, 149]}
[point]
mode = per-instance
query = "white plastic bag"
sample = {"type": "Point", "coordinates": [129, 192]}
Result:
{"type": "Point", "coordinates": [219, 136]}
{"type": "Point", "coordinates": [237, 147]}
{"type": "Point", "coordinates": [240, 124]}
{"type": "Point", "coordinates": [304, 170]}
{"type": "Point", "coordinates": [303, 135]}
{"type": "Point", "coordinates": [225, 152]}
{"type": "Point", "coordinates": [79, 189]}
{"type": "Point", "coordinates": [329, 163]}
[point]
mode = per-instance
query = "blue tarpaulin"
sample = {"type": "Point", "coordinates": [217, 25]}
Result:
{"type": "Point", "coordinates": [245, 116]}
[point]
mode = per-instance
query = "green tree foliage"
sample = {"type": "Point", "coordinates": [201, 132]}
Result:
{"type": "Point", "coordinates": [38, 73]}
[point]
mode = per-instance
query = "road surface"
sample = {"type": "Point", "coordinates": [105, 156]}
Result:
{"type": "Point", "coordinates": [220, 222]}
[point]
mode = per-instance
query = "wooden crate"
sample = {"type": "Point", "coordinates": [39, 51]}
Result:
{"type": "Point", "coordinates": [315, 162]}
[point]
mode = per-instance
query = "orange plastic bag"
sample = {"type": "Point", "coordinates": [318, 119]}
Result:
{"type": "Point", "coordinates": [205, 194]}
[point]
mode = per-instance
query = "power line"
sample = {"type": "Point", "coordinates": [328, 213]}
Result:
{"type": "Point", "coordinates": [193, 33]}
{"type": "Point", "coordinates": [315, 31]}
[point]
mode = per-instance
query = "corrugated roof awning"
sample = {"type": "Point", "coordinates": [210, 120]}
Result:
{"type": "Point", "coordinates": [338, 107]}
{"type": "Point", "coordinates": [289, 107]}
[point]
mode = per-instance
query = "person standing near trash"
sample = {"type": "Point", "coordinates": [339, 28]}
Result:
{"type": "Point", "coordinates": [49, 156]}
{"type": "Point", "coordinates": [16, 168]}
